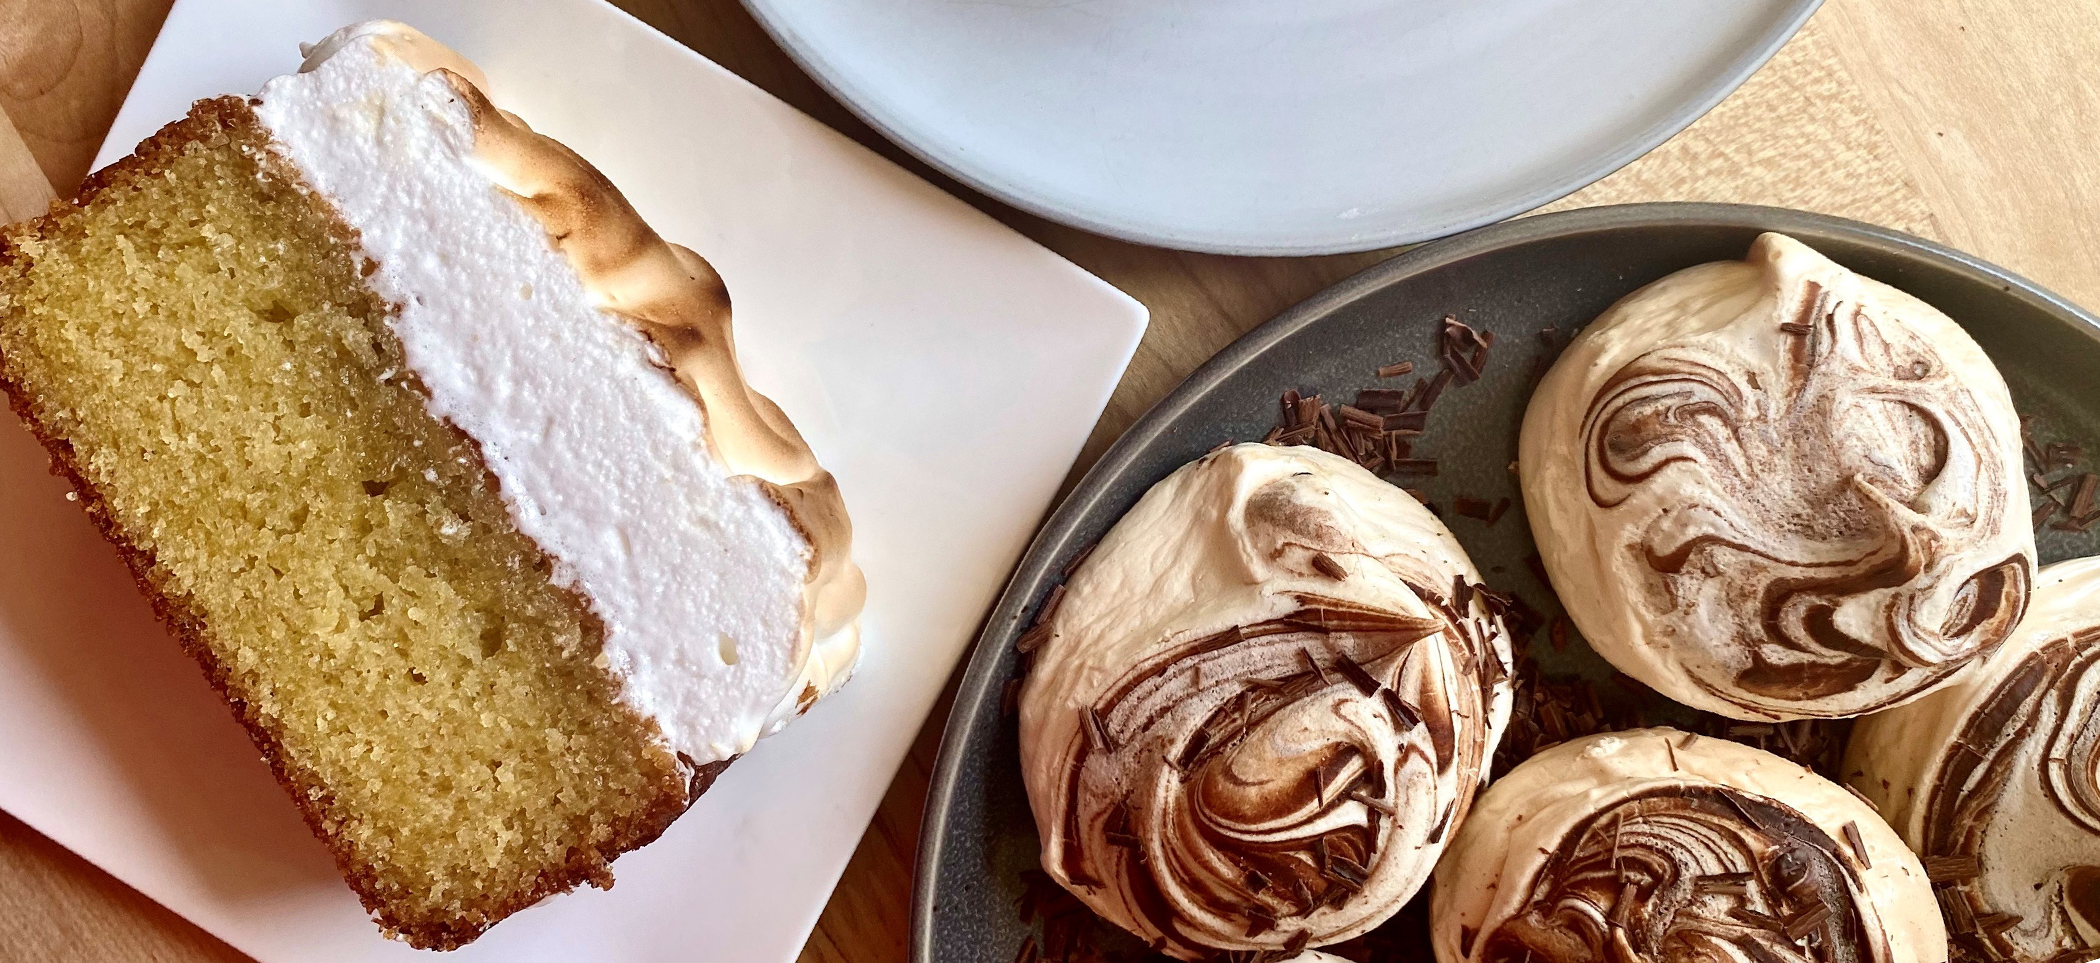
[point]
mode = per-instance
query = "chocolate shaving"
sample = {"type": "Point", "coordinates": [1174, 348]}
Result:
{"type": "Point", "coordinates": [1256, 882]}
{"type": "Point", "coordinates": [1792, 328]}
{"type": "Point", "coordinates": [1350, 414]}
{"type": "Point", "coordinates": [1397, 369]}
{"type": "Point", "coordinates": [1622, 908]}
{"type": "Point", "coordinates": [1858, 844]}
{"type": "Point", "coordinates": [1296, 944]}
{"type": "Point", "coordinates": [1313, 661]}
{"type": "Point", "coordinates": [1124, 840]}
{"type": "Point", "coordinates": [1193, 750]}
{"type": "Point", "coordinates": [1427, 396]}
{"type": "Point", "coordinates": [1010, 698]}
{"type": "Point", "coordinates": [1952, 869]}
{"type": "Point", "coordinates": [1077, 560]}
{"type": "Point", "coordinates": [1258, 920]}
{"type": "Point", "coordinates": [1032, 639]}
{"type": "Point", "coordinates": [1326, 565]}
{"type": "Point", "coordinates": [1383, 401]}
{"type": "Point", "coordinates": [1760, 952]}
{"type": "Point", "coordinates": [1472, 507]}
{"type": "Point", "coordinates": [1728, 884]}
{"type": "Point", "coordinates": [1495, 514]}
{"type": "Point", "coordinates": [1559, 635]}
{"type": "Point", "coordinates": [1437, 835]}
{"type": "Point", "coordinates": [1097, 732]}
{"type": "Point", "coordinates": [1407, 424]}
{"type": "Point", "coordinates": [1754, 918]}
{"type": "Point", "coordinates": [1807, 921]}
{"type": "Point", "coordinates": [1961, 917]}
{"type": "Point", "coordinates": [1028, 952]}
{"type": "Point", "coordinates": [1862, 797]}
{"type": "Point", "coordinates": [1993, 924]}
{"type": "Point", "coordinates": [1346, 870]}
{"type": "Point", "coordinates": [1745, 812]}
{"type": "Point", "coordinates": [1358, 676]}
{"type": "Point", "coordinates": [1374, 802]}
{"type": "Point", "coordinates": [1048, 610]}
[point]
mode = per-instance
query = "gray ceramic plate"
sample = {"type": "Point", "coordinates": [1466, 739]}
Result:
{"type": "Point", "coordinates": [1554, 271]}
{"type": "Point", "coordinates": [1256, 127]}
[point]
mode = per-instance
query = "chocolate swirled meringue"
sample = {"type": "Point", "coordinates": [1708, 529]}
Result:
{"type": "Point", "coordinates": [1774, 489]}
{"type": "Point", "coordinates": [1657, 846]}
{"type": "Point", "coordinates": [1262, 706]}
{"type": "Point", "coordinates": [1995, 781]}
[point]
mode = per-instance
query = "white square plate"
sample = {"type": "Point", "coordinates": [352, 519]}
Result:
{"type": "Point", "coordinates": [944, 367]}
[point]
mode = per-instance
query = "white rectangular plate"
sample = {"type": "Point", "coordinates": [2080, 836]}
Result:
{"type": "Point", "coordinates": [944, 367]}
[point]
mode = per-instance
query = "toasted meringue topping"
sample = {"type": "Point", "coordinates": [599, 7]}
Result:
{"type": "Point", "coordinates": [1996, 781]}
{"type": "Point", "coordinates": [1775, 489]}
{"type": "Point", "coordinates": [1657, 846]}
{"type": "Point", "coordinates": [1263, 704]}
{"type": "Point", "coordinates": [592, 364]}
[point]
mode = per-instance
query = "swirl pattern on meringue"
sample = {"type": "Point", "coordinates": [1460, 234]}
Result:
{"type": "Point", "coordinates": [1661, 847]}
{"type": "Point", "coordinates": [1775, 489]}
{"type": "Point", "coordinates": [1263, 705]}
{"type": "Point", "coordinates": [1995, 781]}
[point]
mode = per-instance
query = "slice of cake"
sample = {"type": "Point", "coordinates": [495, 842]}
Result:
{"type": "Point", "coordinates": [440, 463]}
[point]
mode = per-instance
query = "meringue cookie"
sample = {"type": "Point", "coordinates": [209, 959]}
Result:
{"type": "Point", "coordinates": [2003, 768]}
{"type": "Point", "coordinates": [1262, 706]}
{"type": "Point", "coordinates": [1774, 489]}
{"type": "Point", "coordinates": [1655, 845]}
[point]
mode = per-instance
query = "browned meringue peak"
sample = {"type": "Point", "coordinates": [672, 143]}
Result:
{"type": "Point", "coordinates": [1775, 489]}
{"type": "Point", "coordinates": [1659, 846]}
{"type": "Point", "coordinates": [1995, 781]}
{"type": "Point", "coordinates": [670, 294]}
{"type": "Point", "coordinates": [1264, 704]}
{"type": "Point", "coordinates": [675, 297]}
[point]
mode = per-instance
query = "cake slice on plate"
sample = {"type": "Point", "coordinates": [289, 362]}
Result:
{"type": "Point", "coordinates": [440, 463]}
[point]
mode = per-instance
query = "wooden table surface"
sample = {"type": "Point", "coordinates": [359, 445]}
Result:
{"type": "Point", "coordinates": [1972, 122]}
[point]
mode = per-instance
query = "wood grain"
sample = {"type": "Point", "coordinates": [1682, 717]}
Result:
{"type": "Point", "coordinates": [1974, 122]}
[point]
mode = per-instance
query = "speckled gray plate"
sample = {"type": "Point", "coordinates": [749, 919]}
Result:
{"type": "Point", "coordinates": [1515, 278]}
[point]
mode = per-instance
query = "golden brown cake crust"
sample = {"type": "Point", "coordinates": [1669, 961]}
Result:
{"type": "Point", "coordinates": [206, 119]}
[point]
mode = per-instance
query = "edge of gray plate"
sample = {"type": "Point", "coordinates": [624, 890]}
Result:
{"type": "Point", "coordinates": [955, 163]}
{"type": "Point", "coordinates": [1133, 463]}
